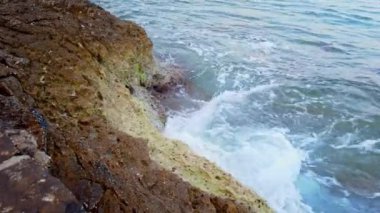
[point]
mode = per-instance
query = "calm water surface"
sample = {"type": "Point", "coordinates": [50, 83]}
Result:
{"type": "Point", "coordinates": [294, 87]}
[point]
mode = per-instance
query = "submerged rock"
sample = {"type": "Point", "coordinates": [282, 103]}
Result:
{"type": "Point", "coordinates": [64, 67]}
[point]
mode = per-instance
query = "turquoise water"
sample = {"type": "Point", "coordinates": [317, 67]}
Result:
{"type": "Point", "coordinates": [294, 93]}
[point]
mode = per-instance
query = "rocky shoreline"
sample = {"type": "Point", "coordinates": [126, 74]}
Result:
{"type": "Point", "coordinates": [78, 128]}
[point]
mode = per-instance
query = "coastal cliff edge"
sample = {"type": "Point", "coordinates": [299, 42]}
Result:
{"type": "Point", "coordinates": [78, 128]}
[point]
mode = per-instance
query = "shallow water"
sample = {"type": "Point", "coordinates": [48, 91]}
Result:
{"type": "Point", "coordinates": [295, 87]}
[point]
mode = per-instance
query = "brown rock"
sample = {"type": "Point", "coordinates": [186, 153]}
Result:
{"type": "Point", "coordinates": [30, 188]}
{"type": "Point", "coordinates": [167, 82]}
{"type": "Point", "coordinates": [56, 55]}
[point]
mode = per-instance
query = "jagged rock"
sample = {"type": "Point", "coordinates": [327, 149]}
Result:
{"type": "Point", "coordinates": [27, 187]}
{"type": "Point", "coordinates": [11, 60]}
{"type": "Point", "coordinates": [63, 62]}
{"type": "Point", "coordinates": [164, 83]}
{"type": "Point", "coordinates": [42, 158]}
{"type": "Point", "coordinates": [7, 149]}
{"type": "Point", "coordinates": [14, 88]}
{"type": "Point", "coordinates": [25, 182]}
{"type": "Point", "coordinates": [24, 142]}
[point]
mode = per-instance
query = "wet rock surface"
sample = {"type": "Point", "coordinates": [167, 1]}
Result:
{"type": "Point", "coordinates": [58, 152]}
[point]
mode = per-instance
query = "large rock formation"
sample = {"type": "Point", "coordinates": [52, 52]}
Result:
{"type": "Point", "coordinates": [76, 130]}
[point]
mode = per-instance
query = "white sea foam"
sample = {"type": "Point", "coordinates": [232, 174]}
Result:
{"type": "Point", "coordinates": [375, 195]}
{"type": "Point", "coordinates": [263, 159]}
{"type": "Point", "coordinates": [264, 46]}
{"type": "Point", "coordinates": [366, 146]}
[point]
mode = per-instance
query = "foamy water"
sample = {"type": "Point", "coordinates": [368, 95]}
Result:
{"type": "Point", "coordinates": [262, 159]}
{"type": "Point", "coordinates": [294, 111]}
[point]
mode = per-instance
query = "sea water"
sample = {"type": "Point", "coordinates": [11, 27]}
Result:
{"type": "Point", "coordinates": [291, 93]}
